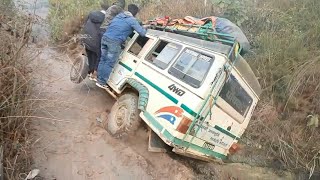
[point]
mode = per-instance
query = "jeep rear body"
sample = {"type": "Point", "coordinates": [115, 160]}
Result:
{"type": "Point", "coordinates": [198, 96]}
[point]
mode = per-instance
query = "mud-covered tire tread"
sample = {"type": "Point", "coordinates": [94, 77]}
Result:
{"type": "Point", "coordinates": [133, 121]}
{"type": "Point", "coordinates": [82, 72]}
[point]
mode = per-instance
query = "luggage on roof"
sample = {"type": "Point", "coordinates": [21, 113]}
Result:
{"type": "Point", "coordinates": [209, 28]}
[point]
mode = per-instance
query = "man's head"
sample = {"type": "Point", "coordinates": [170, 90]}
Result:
{"type": "Point", "coordinates": [104, 5]}
{"type": "Point", "coordinates": [133, 9]}
{"type": "Point", "coordinates": [120, 3]}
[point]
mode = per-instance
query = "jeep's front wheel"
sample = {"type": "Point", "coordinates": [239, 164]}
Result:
{"type": "Point", "coordinates": [124, 117]}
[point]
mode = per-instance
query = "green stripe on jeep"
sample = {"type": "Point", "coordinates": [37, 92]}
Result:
{"type": "Point", "coordinates": [179, 142]}
{"type": "Point", "coordinates": [190, 111]}
{"type": "Point", "coordinates": [174, 100]}
{"type": "Point", "coordinates": [125, 66]}
{"type": "Point", "coordinates": [225, 132]}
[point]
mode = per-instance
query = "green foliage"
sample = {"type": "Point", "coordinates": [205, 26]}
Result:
{"type": "Point", "coordinates": [235, 10]}
{"type": "Point", "coordinates": [283, 38]}
{"type": "Point", "coordinates": [66, 16]}
{"type": "Point", "coordinates": [141, 3]}
{"type": "Point", "coordinates": [63, 12]}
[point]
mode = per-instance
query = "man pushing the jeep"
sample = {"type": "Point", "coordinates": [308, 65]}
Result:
{"type": "Point", "coordinates": [116, 34]}
{"type": "Point", "coordinates": [95, 25]}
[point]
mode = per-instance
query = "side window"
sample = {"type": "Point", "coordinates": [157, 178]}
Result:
{"type": "Point", "coordinates": [191, 67]}
{"type": "Point", "coordinates": [163, 54]}
{"type": "Point", "coordinates": [128, 40]}
{"type": "Point", "coordinates": [236, 96]}
{"type": "Point", "coordinates": [139, 45]}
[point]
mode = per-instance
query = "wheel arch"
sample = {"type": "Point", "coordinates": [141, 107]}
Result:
{"type": "Point", "coordinates": [141, 90]}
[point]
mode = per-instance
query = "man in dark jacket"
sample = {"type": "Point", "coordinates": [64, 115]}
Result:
{"type": "Point", "coordinates": [93, 34]}
{"type": "Point", "coordinates": [94, 31]}
{"type": "Point", "coordinates": [117, 33]}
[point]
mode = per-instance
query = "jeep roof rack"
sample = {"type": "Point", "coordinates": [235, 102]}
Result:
{"type": "Point", "coordinates": [205, 32]}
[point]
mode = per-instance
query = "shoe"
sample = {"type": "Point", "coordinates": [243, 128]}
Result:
{"type": "Point", "coordinates": [90, 76]}
{"type": "Point", "coordinates": [106, 87]}
{"type": "Point", "coordinates": [94, 76]}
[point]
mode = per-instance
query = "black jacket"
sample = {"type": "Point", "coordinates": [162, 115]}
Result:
{"type": "Point", "coordinates": [93, 31]}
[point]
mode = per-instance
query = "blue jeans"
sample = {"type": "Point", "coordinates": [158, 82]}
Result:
{"type": "Point", "coordinates": [110, 51]}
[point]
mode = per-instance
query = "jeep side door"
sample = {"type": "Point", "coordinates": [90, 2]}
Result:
{"type": "Point", "coordinates": [129, 59]}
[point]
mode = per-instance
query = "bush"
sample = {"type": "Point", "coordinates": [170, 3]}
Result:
{"type": "Point", "coordinates": [177, 9]}
{"type": "Point", "coordinates": [66, 17]}
{"type": "Point", "coordinates": [285, 37]}
{"type": "Point", "coordinates": [15, 107]}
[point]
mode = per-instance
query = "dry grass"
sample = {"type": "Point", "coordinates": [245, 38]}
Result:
{"type": "Point", "coordinates": [287, 63]}
{"type": "Point", "coordinates": [178, 9]}
{"type": "Point", "coordinates": [66, 17]}
{"type": "Point", "coordinates": [14, 90]}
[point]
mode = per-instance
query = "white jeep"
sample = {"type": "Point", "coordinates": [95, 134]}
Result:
{"type": "Point", "coordinates": [197, 95]}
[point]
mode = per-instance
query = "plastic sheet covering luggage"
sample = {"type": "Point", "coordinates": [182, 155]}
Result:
{"type": "Point", "coordinates": [225, 26]}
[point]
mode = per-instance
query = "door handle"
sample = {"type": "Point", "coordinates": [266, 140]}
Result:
{"type": "Point", "coordinates": [135, 61]}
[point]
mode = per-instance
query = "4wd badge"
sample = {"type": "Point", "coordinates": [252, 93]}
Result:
{"type": "Point", "coordinates": [176, 90]}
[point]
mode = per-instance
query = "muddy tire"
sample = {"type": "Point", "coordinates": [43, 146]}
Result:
{"type": "Point", "coordinates": [79, 69]}
{"type": "Point", "coordinates": [124, 117]}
